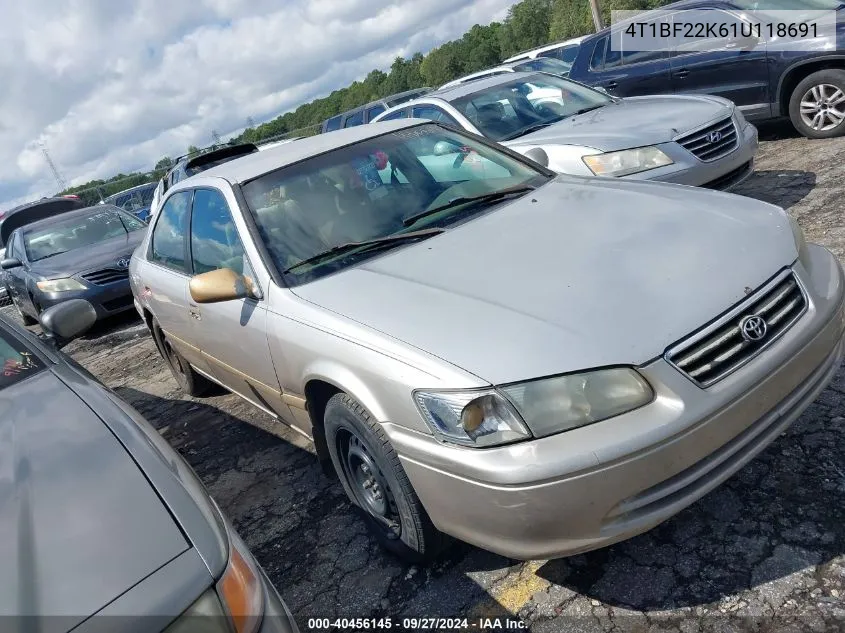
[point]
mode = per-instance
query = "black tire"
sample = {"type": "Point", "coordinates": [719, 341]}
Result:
{"type": "Point", "coordinates": [820, 88]}
{"type": "Point", "coordinates": [186, 377]}
{"type": "Point", "coordinates": [361, 452]}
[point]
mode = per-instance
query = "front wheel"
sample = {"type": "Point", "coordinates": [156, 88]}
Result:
{"type": "Point", "coordinates": [817, 105]}
{"type": "Point", "coordinates": [376, 483]}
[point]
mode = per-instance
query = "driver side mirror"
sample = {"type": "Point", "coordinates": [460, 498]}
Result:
{"type": "Point", "coordinates": [66, 321]}
{"type": "Point", "coordinates": [10, 262]}
{"type": "Point", "coordinates": [216, 286]}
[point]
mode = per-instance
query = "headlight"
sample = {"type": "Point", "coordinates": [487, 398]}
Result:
{"type": "Point", "coordinates": [800, 240]}
{"type": "Point", "coordinates": [206, 610]}
{"type": "Point", "coordinates": [539, 408]}
{"type": "Point", "coordinates": [59, 285]}
{"type": "Point", "coordinates": [552, 405]}
{"type": "Point", "coordinates": [240, 587]}
{"type": "Point", "coordinates": [472, 418]}
{"type": "Point", "coordinates": [626, 162]}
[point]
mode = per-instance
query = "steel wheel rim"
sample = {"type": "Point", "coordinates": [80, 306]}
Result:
{"type": "Point", "coordinates": [369, 484]}
{"type": "Point", "coordinates": [822, 107]}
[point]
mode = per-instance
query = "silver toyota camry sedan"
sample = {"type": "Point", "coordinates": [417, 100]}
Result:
{"type": "Point", "coordinates": [574, 129]}
{"type": "Point", "coordinates": [535, 363]}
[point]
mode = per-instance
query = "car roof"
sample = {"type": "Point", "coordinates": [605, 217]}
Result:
{"type": "Point", "coordinates": [381, 101]}
{"type": "Point", "coordinates": [256, 164]}
{"type": "Point", "coordinates": [471, 87]}
{"type": "Point", "coordinates": [548, 47]}
{"type": "Point", "coordinates": [99, 208]}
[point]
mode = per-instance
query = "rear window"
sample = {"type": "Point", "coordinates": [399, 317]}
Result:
{"type": "Point", "coordinates": [18, 360]}
{"type": "Point", "coordinates": [373, 112]}
{"type": "Point", "coordinates": [333, 124]}
{"type": "Point", "coordinates": [565, 54]}
{"type": "Point", "coordinates": [356, 118]}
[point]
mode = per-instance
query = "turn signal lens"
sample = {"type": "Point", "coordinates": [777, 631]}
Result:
{"type": "Point", "coordinates": [240, 589]}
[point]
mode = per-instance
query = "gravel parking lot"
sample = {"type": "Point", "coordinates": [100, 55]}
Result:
{"type": "Point", "coordinates": [766, 551]}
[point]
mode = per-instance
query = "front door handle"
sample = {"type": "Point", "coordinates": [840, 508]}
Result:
{"type": "Point", "coordinates": [682, 73]}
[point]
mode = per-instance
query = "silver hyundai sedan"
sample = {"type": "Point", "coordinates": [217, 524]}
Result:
{"type": "Point", "coordinates": [535, 363]}
{"type": "Point", "coordinates": [574, 129]}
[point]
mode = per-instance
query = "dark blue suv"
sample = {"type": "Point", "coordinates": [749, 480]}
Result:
{"type": "Point", "coordinates": [806, 85]}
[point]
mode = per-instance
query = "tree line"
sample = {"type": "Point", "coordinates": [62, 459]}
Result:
{"type": "Point", "coordinates": [529, 24]}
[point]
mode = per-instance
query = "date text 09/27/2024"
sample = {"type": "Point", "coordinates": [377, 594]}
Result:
{"type": "Point", "coordinates": [415, 624]}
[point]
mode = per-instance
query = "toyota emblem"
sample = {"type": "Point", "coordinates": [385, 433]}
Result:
{"type": "Point", "coordinates": [123, 263]}
{"type": "Point", "coordinates": [714, 137]}
{"type": "Point", "coordinates": [753, 328]}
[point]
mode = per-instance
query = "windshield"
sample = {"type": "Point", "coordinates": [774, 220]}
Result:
{"type": "Point", "coordinates": [512, 109]}
{"type": "Point", "coordinates": [79, 231]}
{"type": "Point", "coordinates": [546, 65]}
{"type": "Point", "coordinates": [788, 5]}
{"type": "Point", "coordinates": [370, 189]}
{"type": "Point", "coordinates": [133, 200]}
{"type": "Point", "coordinates": [18, 360]}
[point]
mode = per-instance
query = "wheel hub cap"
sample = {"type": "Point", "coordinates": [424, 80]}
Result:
{"type": "Point", "coordinates": [823, 107]}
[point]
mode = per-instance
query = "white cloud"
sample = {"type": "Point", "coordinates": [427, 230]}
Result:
{"type": "Point", "coordinates": [112, 86]}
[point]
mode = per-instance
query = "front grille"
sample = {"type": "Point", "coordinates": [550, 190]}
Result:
{"type": "Point", "coordinates": [712, 142]}
{"type": "Point", "coordinates": [720, 349]}
{"type": "Point", "coordinates": [106, 276]}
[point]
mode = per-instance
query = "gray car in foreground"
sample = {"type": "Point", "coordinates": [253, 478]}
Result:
{"type": "Point", "coordinates": [573, 129]}
{"type": "Point", "coordinates": [104, 526]}
{"type": "Point", "coordinates": [535, 363]}
{"type": "Point", "coordinates": [81, 254]}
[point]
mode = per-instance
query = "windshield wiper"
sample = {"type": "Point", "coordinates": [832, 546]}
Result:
{"type": "Point", "coordinates": [588, 109]}
{"type": "Point", "coordinates": [50, 255]}
{"type": "Point", "coordinates": [529, 129]}
{"type": "Point", "coordinates": [454, 202]}
{"type": "Point", "coordinates": [366, 245]}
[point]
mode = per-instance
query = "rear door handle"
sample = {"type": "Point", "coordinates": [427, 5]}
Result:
{"type": "Point", "coordinates": [680, 74]}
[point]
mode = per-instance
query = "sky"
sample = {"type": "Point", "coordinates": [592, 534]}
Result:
{"type": "Point", "coordinates": [110, 86]}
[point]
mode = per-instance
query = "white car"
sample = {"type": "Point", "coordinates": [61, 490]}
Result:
{"type": "Point", "coordinates": [541, 64]}
{"type": "Point", "coordinates": [564, 51]}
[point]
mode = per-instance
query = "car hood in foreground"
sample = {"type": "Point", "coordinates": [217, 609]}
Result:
{"type": "Point", "coordinates": [102, 255]}
{"type": "Point", "coordinates": [631, 122]}
{"type": "Point", "coordinates": [581, 273]}
{"type": "Point", "coordinates": [79, 522]}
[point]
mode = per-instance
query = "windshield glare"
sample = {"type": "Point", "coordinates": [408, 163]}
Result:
{"type": "Point", "coordinates": [78, 232]}
{"type": "Point", "coordinates": [789, 5]}
{"type": "Point", "coordinates": [365, 191]}
{"type": "Point", "coordinates": [508, 110]}
{"type": "Point", "coordinates": [546, 65]}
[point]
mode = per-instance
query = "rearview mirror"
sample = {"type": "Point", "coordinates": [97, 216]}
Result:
{"type": "Point", "coordinates": [219, 285]}
{"type": "Point", "coordinates": [66, 321]}
{"type": "Point", "coordinates": [10, 262]}
{"type": "Point", "coordinates": [444, 148]}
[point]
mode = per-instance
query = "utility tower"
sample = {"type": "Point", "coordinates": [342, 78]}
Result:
{"type": "Point", "coordinates": [596, 11]}
{"type": "Point", "coordinates": [56, 174]}
{"type": "Point", "coordinates": [250, 122]}
{"type": "Point", "coordinates": [215, 137]}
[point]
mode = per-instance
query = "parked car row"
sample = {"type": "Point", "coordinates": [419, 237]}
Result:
{"type": "Point", "coordinates": [805, 83]}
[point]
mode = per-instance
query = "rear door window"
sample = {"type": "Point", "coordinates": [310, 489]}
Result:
{"type": "Point", "coordinates": [167, 246]}
{"type": "Point", "coordinates": [433, 113]}
{"type": "Point", "coordinates": [396, 114]}
{"type": "Point", "coordinates": [333, 124]}
{"type": "Point", "coordinates": [356, 118]}
{"type": "Point", "coordinates": [373, 112]}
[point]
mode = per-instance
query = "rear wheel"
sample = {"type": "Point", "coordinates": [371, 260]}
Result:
{"type": "Point", "coordinates": [376, 483]}
{"type": "Point", "coordinates": [817, 105]}
{"type": "Point", "coordinates": [187, 378]}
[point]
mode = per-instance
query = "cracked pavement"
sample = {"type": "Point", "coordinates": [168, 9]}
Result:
{"type": "Point", "coordinates": [763, 552]}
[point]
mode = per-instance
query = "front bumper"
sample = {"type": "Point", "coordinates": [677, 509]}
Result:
{"type": "Point", "coordinates": [108, 299]}
{"type": "Point", "coordinates": [603, 483]}
{"type": "Point", "coordinates": [724, 173]}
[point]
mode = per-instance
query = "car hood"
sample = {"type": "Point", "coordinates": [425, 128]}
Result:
{"type": "Point", "coordinates": [631, 122]}
{"type": "Point", "coordinates": [79, 523]}
{"type": "Point", "coordinates": [101, 255]}
{"type": "Point", "coordinates": [581, 273]}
